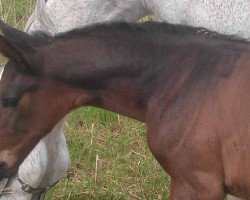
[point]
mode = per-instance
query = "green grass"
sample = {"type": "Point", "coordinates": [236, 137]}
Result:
{"type": "Point", "coordinates": [15, 13]}
{"type": "Point", "coordinates": [109, 156]}
{"type": "Point", "coordinates": [109, 160]}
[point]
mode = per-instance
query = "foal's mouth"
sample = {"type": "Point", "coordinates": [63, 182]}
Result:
{"type": "Point", "coordinates": [7, 172]}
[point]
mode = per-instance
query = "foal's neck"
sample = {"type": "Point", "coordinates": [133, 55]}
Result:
{"type": "Point", "coordinates": [114, 73]}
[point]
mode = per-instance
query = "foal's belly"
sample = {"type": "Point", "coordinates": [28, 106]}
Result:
{"type": "Point", "coordinates": [225, 16]}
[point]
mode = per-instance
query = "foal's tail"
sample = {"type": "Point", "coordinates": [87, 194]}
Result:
{"type": "Point", "coordinates": [39, 18]}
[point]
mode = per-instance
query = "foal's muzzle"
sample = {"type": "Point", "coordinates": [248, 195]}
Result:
{"type": "Point", "coordinates": [6, 172]}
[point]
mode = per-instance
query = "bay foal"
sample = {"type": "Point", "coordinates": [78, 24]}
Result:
{"type": "Point", "coordinates": [225, 16]}
{"type": "Point", "coordinates": [192, 90]}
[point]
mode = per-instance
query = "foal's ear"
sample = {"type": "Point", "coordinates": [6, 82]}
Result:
{"type": "Point", "coordinates": [15, 44]}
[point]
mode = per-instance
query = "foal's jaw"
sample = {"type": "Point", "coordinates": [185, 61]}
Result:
{"type": "Point", "coordinates": [7, 157]}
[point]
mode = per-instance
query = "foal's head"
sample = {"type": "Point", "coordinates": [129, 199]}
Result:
{"type": "Point", "coordinates": [31, 103]}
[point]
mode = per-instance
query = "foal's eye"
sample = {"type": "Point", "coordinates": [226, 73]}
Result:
{"type": "Point", "coordinates": [10, 102]}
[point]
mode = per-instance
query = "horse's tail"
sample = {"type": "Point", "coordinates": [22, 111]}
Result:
{"type": "Point", "coordinates": [39, 17]}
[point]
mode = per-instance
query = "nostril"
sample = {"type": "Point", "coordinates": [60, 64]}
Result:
{"type": "Point", "coordinates": [6, 171]}
{"type": "Point", "coordinates": [3, 165]}
{"type": "Point", "coordinates": [3, 170]}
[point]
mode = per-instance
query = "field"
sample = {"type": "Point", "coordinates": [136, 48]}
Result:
{"type": "Point", "coordinates": [109, 155]}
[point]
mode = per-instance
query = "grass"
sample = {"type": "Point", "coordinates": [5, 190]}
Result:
{"type": "Point", "coordinates": [109, 156]}
{"type": "Point", "coordinates": [109, 160]}
{"type": "Point", "coordinates": [15, 13]}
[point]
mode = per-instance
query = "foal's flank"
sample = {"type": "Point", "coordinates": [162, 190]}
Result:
{"type": "Point", "coordinates": [191, 90]}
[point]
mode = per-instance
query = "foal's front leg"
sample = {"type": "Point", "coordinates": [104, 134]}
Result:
{"type": "Point", "coordinates": [193, 165]}
{"type": "Point", "coordinates": [182, 190]}
{"type": "Point", "coordinates": [229, 197]}
{"type": "Point", "coordinates": [188, 182]}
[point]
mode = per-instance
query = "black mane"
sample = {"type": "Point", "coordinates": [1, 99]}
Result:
{"type": "Point", "coordinates": [41, 37]}
{"type": "Point", "coordinates": [150, 28]}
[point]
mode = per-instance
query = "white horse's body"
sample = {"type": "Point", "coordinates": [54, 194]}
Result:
{"type": "Point", "coordinates": [224, 16]}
